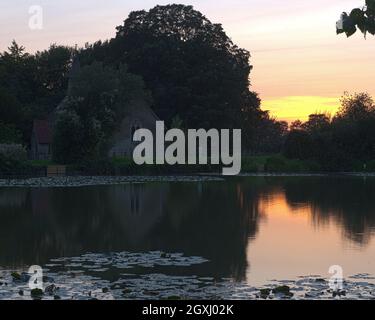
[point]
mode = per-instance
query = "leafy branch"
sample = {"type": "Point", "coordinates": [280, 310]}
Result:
{"type": "Point", "coordinates": [359, 18]}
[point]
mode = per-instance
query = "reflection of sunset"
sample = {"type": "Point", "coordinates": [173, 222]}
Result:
{"type": "Point", "coordinates": [277, 205]}
{"type": "Point", "coordinates": [308, 232]}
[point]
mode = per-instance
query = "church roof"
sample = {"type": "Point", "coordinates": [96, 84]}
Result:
{"type": "Point", "coordinates": [42, 131]}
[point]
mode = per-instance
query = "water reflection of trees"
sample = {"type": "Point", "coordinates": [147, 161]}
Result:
{"type": "Point", "coordinates": [214, 220]}
{"type": "Point", "coordinates": [65, 222]}
{"type": "Point", "coordinates": [349, 203]}
{"type": "Point", "coordinates": [210, 220]}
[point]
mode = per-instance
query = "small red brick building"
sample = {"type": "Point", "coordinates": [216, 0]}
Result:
{"type": "Point", "coordinates": [41, 140]}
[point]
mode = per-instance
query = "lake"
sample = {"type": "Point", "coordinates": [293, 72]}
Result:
{"type": "Point", "coordinates": [245, 230]}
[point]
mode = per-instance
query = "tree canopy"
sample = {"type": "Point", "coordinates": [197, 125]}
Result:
{"type": "Point", "coordinates": [31, 86]}
{"type": "Point", "coordinates": [342, 142]}
{"type": "Point", "coordinates": [191, 66]}
{"type": "Point", "coordinates": [359, 18]}
{"type": "Point", "coordinates": [197, 78]}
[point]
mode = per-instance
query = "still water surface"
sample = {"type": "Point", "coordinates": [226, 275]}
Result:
{"type": "Point", "coordinates": [252, 229]}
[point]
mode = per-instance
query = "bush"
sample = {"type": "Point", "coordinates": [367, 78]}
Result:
{"type": "Point", "coordinates": [370, 166]}
{"type": "Point", "coordinates": [15, 167]}
{"type": "Point", "coordinates": [9, 134]}
{"type": "Point", "coordinates": [275, 164]}
{"type": "Point", "coordinates": [253, 164]}
{"type": "Point", "coordinates": [313, 166]}
{"type": "Point", "coordinates": [13, 152]}
{"type": "Point", "coordinates": [298, 145]}
{"type": "Point", "coordinates": [249, 166]}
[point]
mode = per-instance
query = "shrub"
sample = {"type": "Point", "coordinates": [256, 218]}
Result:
{"type": "Point", "coordinates": [298, 145]}
{"type": "Point", "coordinates": [371, 166]}
{"type": "Point", "coordinates": [249, 166]}
{"type": "Point", "coordinates": [14, 152]}
{"type": "Point", "coordinates": [9, 134]}
{"type": "Point", "coordinates": [275, 164]}
{"type": "Point", "coordinates": [15, 167]}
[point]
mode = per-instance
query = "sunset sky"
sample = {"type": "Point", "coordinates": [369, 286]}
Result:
{"type": "Point", "coordinates": [300, 64]}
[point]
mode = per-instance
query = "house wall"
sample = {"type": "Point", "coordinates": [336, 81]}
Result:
{"type": "Point", "coordinates": [34, 147]}
{"type": "Point", "coordinates": [39, 151]}
{"type": "Point", "coordinates": [43, 152]}
{"type": "Point", "coordinates": [138, 116]}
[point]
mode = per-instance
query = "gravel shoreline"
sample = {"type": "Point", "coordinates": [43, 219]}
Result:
{"type": "Point", "coordinates": [329, 174]}
{"type": "Point", "coordinates": [82, 181]}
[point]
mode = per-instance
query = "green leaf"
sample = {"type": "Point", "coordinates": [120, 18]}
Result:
{"type": "Point", "coordinates": [339, 31]}
{"type": "Point", "coordinates": [370, 26]}
{"type": "Point", "coordinates": [349, 27]}
{"type": "Point", "coordinates": [359, 19]}
{"type": "Point", "coordinates": [357, 16]}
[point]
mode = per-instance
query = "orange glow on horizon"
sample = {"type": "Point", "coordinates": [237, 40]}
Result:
{"type": "Point", "coordinates": [301, 65]}
{"type": "Point", "coordinates": [300, 107]}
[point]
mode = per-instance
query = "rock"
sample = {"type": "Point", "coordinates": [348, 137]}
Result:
{"type": "Point", "coordinates": [265, 293]}
{"type": "Point", "coordinates": [338, 293]}
{"type": "Point", "coordinates": [173, 298]}
{"type": "Point", "coordinates": [36, 293]}
{"type": "Point", "coordinates": [284, 290]}
{"type": "Point", "coordinates": [150, 293]}
{"type": "Point", "coordinates": [105, 290]}
{"type": "Point", "coordinates": [56, 297]}
{"type": "Point", "coordinates": [51, 289]}
{"type": "Point", "coordinates": [16, 276]}
{"type": "Point", "coordinates": [20, 292]}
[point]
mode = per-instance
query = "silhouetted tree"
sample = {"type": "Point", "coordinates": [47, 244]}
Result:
{"type": "Point", "coordinates": [31, 86]}
{"type": "Point", "coordinates": [356, 107]}
{"type": "Point", "coordinates": [344, 143]}
{"type": "Point", "coordinates": [298, 145]}
{"type": "Point", "coordinates": [354, 126]}
{"type": "Point", "coordinates": [317, 123]}
{"type": "Point", "coordinates": [191, 66]}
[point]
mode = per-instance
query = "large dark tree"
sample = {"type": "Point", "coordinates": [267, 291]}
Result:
{"type": "Point", "coordinates": [192, 67]}
{"type": "Point", "coordinates": [31, 86]}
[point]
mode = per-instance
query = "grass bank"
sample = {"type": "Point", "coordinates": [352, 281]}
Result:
{"type": "Point", "coordinates": [125, 166]}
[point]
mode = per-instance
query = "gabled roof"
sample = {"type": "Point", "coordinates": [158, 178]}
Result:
{"type": "Point", "coordinates": [42, 131]}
